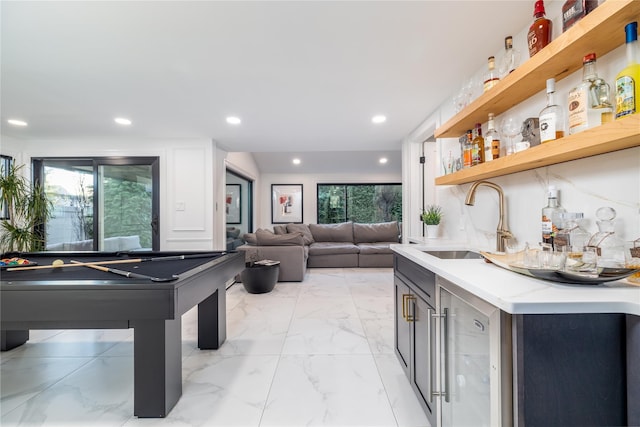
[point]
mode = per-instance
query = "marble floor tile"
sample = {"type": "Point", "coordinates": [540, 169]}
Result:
{"type": "Point", "coordinates": [21, 378]}
{"type": "Point", "coordinates": [317, 352]}
{"type": "Point", "coordinates": [314, 307]}
{"type": "Point", "coordinates": [326, 336]}
{"type": "Point", "coordinates": [379, 333]}
{"type": "Point", "coordinates": [327, 390]}
{"type": "Point", "coordinates": [404, 402]}
{"type": "Point", "coordinates": [100, 393]}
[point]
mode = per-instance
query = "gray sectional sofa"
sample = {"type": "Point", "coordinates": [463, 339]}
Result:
{"type": "Point", "coordinates": [298, 246]}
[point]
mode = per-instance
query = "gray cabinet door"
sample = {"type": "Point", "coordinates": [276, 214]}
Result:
{"type": "Point", "coordinates": [402, 326]}
{"type": "Point", "coordinates": [424, 354]}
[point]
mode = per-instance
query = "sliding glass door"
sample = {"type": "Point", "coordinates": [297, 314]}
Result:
{"type": "Point", "coordinates": [101, 204]}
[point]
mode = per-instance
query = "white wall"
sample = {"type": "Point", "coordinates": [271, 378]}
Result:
{"type": "Point", "coordinates": [309, 191]}
{"type": "Point", "coordinates": [585, 185]}
{"type": "Point", "coordinates": [187, 171]}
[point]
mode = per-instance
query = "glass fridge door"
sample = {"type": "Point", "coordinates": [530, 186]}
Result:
{"type": "Point", "coordinates": [465, 363]}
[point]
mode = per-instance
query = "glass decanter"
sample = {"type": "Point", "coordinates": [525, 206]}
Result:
{"type": "Point", "coordinates": [610, 248]}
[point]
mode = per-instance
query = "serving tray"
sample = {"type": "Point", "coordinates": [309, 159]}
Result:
{"type": "Point", "coordinates": [507, 261]}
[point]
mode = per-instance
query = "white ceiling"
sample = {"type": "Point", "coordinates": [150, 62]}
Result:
{"type": "Point", "coordinates": [304, 76]}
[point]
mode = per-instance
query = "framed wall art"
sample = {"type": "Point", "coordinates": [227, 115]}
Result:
{"type": "Point", "coordinates": [233, 204]}
{"type": "Point", "coordinates": [286, 203]}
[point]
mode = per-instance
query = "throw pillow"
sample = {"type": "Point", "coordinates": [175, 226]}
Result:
{"type": "Point", "coordinates": [267, 238]}
{"type": "Point", "coordinates": [280, 229]}
{"type": "Point", "coordinates": [301, 228]}
{"type": "Point", "coordinates": [250, 238]}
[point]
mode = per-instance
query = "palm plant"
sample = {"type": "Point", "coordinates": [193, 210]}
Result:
{"type": "Point", "coordinates": [27, 208]}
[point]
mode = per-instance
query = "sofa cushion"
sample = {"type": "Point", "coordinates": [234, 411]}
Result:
{"type": "Point", "coordinates": [342, 232]}
{"type": "Point", "coordinates": [233, 232]}
{"type": "Point", "coordinates": [267, 238]}
{"type": "Point", "coordinates": [375, 248]}
{"type": "Point", "coordinates": [301, 228]}
{"type": "Point", "coordinates": [378, 232]}
{"type": "Point", "coordinates": [280, 229]}
{"type": "Point", "coordinates": [332, 248]}
{"type": "Point", "coordinates": [250, 238]}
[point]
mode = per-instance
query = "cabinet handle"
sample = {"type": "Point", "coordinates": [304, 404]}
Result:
{"type": "Point", "coordinates": [445, 361]}
{"type": "Point", "coordinates": [404, 306]}
{"type": "Point", "coordinates": [409, 315]}
{"type": "Point", "coordinates": [430, 356]}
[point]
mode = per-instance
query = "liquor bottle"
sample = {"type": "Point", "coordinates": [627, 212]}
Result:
{"type": "Point", "coordinates": [551, 216]}
{"type": "Point", "coordinates": [551, 117]}
{"type": "Point", "coordinates": [540, 31]}
{"type": "Point", "coordinates": [478, 147]}
{"type": "Point", "coordinates": [491, 78]}
{"type": "Point", "coordinates": [628, 80]}
{"type": "Point", "coordinates": [589, 103]}
{"type": "Point", "coordinates": [575, 10]}
{"type": "Point", "coordinates": [467, 151]}
{"type": "Point", "coordinates": [510, 59]}
{"type": "Point", "coordinates": [491, 141]}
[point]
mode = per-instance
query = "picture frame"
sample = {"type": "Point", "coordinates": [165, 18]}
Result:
{"type": "Point", "coordinates": [286, 203]}
{"type": "Point", "coordinates": [233, 204]}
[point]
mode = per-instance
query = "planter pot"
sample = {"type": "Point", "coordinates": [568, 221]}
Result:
{"type": "Point", "coordinates": [433, 231]}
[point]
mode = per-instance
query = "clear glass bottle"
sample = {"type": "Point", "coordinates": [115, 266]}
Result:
{"type": "Point", "coordinates": [610, 248]}
{"type": "Point", "coordinates": [551, 116]}
{"type": "Point", "coordinates": [589, 102]}
{"type": "Point", "coordinates": [491, 141]}
{"type": "Point", "coordinates": [510, 59]}
{"type": "Point", "coordinates": [571, 235]}
{"type": "Point", "coordinates": [550, 216]}
{"type": "Point", "coordinates": [491, 78]}
{"type": "Point", "coordinates": [628, 80]}
{"type": "Point", "coordinates": [478, 147]}
{"type": "Point", "coordinates": [540, 31]}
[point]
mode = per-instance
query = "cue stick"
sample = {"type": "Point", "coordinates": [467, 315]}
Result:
{"type": "Point", "coordinates": [120, 261]}
{"type": "Point", "coordinates": [75, 264]}
{"type": "Point", "coordinates": [127, 274]}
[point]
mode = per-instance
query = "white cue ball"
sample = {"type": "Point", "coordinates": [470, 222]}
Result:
{"type": "Point", "coordinates": [57, 263]}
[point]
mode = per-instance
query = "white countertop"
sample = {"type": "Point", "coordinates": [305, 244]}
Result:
{"type": "Point", "coordinates": [519, 294]}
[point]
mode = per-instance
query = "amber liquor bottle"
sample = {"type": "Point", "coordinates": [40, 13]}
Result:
{"type": "Point", "coordinates": [477, 150]}
{"type": "Point", "coordinates": [540, 31]}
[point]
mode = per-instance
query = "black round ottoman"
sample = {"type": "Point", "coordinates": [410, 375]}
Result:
{"type": "Point", "coordinates": [260, 278]}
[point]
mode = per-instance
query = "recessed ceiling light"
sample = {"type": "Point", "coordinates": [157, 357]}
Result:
{"type": "Point", "coordinates": [232, 120]}
{"type": "Point", "coordinates": [296, 161]}
{"type": "Point", "coordinates": [17, 122]}
{"type": "Point", "coordinates": [122, 121]}
{"type": "Point", "coordinates": [383, 160]}
{"type": "Point", "coordinates": [378, 119]}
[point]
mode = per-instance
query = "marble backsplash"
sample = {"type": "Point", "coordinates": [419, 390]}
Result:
{"type": "Point", "coordinates": [584, 186]}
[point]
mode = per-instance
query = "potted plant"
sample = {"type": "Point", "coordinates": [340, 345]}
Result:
{"type": "Point", "coordinates": [432, 216]}
{"type": "Point", "coordinates": [26, 209]}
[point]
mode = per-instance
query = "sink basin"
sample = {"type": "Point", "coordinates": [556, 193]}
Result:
{"type": "Point", "coordinates": [454, 254]}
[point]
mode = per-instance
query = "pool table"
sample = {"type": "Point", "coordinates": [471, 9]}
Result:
{"type": "Point", "coordinates": [161, 287]}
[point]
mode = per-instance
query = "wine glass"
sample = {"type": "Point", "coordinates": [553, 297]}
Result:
{"type": "Point", "coordinates": [511, 127]}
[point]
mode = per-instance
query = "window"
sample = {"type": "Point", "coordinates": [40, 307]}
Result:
{"type": "Point", "coordinates": [364, 203]}
{"type": "Point", "coordinates": [5, 165]}
{"type": "Point", "coordinates": [101, 204]}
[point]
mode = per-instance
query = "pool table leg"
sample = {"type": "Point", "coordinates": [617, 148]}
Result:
{"type": "Point", "coordinates": [157, 366]}
{"type": "Point", "coordinates": [13, 339]}
{"type": "Point", "coordinates": [212, 321]}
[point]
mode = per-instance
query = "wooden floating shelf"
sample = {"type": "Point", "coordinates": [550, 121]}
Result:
{"type": "Point", "coordinates": [617, 135]}
{"type": "Point", "coordinates": [601, 31]}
